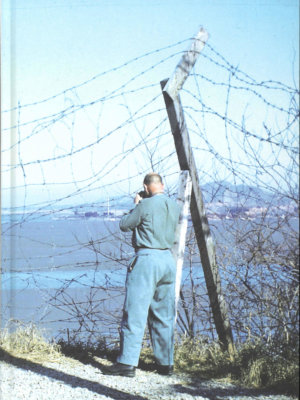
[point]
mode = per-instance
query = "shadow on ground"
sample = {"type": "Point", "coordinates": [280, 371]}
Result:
{"type": "Point", "coordinates": [68, 379]}
{"type": "Point", "coordinates": [195, 386]}
{"type": "Point", "coordinates": [90, 358]}
{"type": "Point", "coordinates": [217, 390]}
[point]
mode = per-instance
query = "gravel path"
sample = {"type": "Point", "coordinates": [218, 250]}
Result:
{"type": "Point", "coordinates": [25, 380]}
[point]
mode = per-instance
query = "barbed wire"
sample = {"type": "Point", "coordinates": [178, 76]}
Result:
{"type": "Point", "coordinates": [68, 157]}
{"type": "Point", "coordinates": [114, 69]}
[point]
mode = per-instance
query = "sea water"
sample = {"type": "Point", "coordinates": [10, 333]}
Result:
{"type": "Point", "coordinates": [57, 269]}
{"type": "Point", "coordinates": [50, 262]}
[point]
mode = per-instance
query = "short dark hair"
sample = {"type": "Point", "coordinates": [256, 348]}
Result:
{"type": "Point", "coordinates": [152, 177]}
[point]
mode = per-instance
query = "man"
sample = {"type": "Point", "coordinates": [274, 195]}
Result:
{"type": "Point", "coordinates": [150, 285]}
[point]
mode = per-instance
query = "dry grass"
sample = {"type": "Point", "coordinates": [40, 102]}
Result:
{"type": "Point", "coordinates": [27, 342]}
{"type": "Point", "coordinates": [201, 356]}
{"type": "Point", "coordinates": [255, 364]}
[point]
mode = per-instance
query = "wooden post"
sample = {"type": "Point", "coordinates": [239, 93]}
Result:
{"type": "Point", "coordinates": [186, 64]}
{"type": "Point", "coordinates": [183, 199]}
{"type": "Point", "coordinates": [198, 214]}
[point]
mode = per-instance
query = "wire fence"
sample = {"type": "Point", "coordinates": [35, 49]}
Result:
{"type": "Point", "coordinates": [72, 162]}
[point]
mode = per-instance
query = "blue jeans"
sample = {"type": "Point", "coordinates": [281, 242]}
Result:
{"type": "Point", "coordinates": [150, 294]}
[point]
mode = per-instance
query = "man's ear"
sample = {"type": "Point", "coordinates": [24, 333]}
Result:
{"type": "Point", "coordinates": [146, 188]}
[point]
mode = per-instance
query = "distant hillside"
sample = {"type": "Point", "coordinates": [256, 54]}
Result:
{"type": "Point", "coordinates": [218, 197]}
{"type": "Point", "coordinates": [239, 195]}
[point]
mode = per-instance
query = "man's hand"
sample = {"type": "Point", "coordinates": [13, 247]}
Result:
{"type": "Point", "coordinates": [137, 199]}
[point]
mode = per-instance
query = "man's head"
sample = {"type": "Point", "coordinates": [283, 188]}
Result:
{"type": "Point", "coordinates": [153, 183]}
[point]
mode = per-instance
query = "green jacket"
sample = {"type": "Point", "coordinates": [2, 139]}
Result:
{"type": "Point", "coordinates": [153, 222]}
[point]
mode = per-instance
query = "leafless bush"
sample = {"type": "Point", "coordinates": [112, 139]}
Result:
{"type": "Point", "coordinates": [244, 135]}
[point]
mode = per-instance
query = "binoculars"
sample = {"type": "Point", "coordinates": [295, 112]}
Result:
{"type": "Point", "coordinates": [143, 194]}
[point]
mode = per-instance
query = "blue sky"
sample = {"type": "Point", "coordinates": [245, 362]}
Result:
{"type": "Point", "coordinates": [50, 46]}
{"type": "Point", "coordinates": [57, 44]}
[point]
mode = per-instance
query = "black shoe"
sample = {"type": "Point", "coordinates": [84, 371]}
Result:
{"type": "Point", "coordinates": [165, 369]}
{"type": "Point", "coordinates": [120, 369]}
